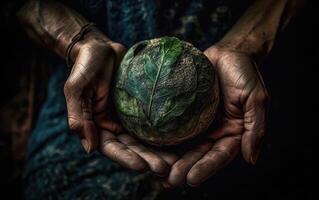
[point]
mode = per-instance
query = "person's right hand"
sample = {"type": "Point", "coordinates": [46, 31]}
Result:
{"type": "Point", "coordinates": [90, 113]}
{"type": "Point", "coordinates": [87, 89]}
{"type": "Point", "coordinates": [54, 25]}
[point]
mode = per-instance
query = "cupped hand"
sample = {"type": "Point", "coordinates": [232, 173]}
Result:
{"type": "Point", "coordinates": [87, 89]}
{"type": "Point", "coordinates": [242, 120]}
{"type": "Point", "coordinates": [90, 113]}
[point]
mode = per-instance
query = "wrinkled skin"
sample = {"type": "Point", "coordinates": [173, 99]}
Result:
{"type": "Point", "coordinates": [242, 128]}
{"type": "Point", "coordinates": [88, 86]}
{"type": "Point", "coordinates": [242, 125]}
{"type": "Point", "coordinates": [90, 113]}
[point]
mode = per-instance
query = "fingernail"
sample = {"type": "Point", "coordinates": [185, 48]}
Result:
{"type": "Point", "coordinates": [85, 145]}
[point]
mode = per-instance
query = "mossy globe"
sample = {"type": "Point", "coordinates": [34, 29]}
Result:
{"type": "Point", "coordinates": [165, 91]}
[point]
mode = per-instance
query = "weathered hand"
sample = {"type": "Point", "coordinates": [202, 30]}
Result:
{"type": "Point", "coordinates": [87, 90]}
{"type": "Point", "coordinates": [53, 25]}
{"type": "Point", "coordinates": [90, 113]}
{"type": "Point", "coordinates": [243, 120]}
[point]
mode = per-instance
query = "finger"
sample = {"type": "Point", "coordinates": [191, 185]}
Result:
{"type": "Point", "coordinates": [155, 162]}
{"type": "Point", "coordinates": [222, 152]}
{"type": "Point", "coordinates": [102, 112]}
{"type": "Point", "coordinates": [120, 153]}
{"type": "Point", "coordinates": [179, 170]}
{"type": "Point", "coordinates": [80, 115]}
{"type": "Point", "coordinates": [103, 121]}
{"type": "Point", "coordinates": [169, 157]}
{"type": "Point", "coordinates": [254, 123]}
{"type": "Point", "coordinates": [89, 130]}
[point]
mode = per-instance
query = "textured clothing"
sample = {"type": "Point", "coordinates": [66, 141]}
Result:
{"type": "Point", "coordinates": [57, 166]}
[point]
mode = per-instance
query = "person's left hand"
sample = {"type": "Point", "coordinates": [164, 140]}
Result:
{"type": "Point", "coordinates": [242, 126]}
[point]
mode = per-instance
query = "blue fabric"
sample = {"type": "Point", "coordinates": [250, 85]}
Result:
{"type": "Point", "coordinates": [200, 22]}
{"type": "Point", "coordinates": [57, 166]}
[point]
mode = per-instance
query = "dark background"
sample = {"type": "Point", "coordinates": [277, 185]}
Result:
{"type": "Point", "coordinates": [286, 167]}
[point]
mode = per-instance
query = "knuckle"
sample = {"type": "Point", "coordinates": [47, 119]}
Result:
{"type": "Point", "coordinates": [221, 152]}
{"type": "Point", "coordinates": [123, 156]}
{"type": "Point", "coordinates": [75, 125]}
{"type": "Point", "coordinates": [69, 87]}
{"type": "Point", "coordinates": [158, 165]}
{"type": "Point", "coordinates": [178, 168]}
{"type": "Point", "coordinates": [98, 47]}
{"type": "Point", "coordinates": [107, 149]}
{"type": "Point", "coordinates": [72, 89]}
{"type": "Point", "coordinates": [135, 163]}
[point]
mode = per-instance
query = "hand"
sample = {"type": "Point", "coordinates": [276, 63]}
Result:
{"type": "Point", "coordinates": [242, 125]}
{"type": "Point", "coordinates": [90, 113]}
{"type": "Point", "coordinates": [87, 89]}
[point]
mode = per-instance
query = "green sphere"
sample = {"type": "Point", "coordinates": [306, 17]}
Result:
{"type": "Point", "coordinates": [166, 91]}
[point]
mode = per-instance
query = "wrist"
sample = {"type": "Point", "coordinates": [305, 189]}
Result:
{"type": "Point", "coordinates": [91, 39]}
{"type": "Point", "coordinates": [253, 46]}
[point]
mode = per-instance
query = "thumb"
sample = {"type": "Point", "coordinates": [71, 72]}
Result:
{"type": "Point", "coordinates": [255, 123]}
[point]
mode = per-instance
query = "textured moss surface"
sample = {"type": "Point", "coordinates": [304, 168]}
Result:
{"type": "Point", "coordinates": [166, 91]}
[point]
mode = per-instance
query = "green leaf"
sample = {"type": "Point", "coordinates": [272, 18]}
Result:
{"type": "Point", "coordinates": [132, 76]}
{"type": "Point", "coordinates": [127, 104]}
{"type": "Point", "coordinates": [176, 108]}
{"type": "Point", "coordinates": [148, 79]}
{"type": "Point", "coordinates": [170, 50]}
{"type": "Point", "coordinates": [150, 68]}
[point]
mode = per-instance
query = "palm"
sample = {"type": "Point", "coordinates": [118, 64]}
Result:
{"type": "Point", "coordinates": [242, 125]}
{"type": "Point", "coordinates": [245, 99]}
{"type": "Point", "coordinates": [242, 89]}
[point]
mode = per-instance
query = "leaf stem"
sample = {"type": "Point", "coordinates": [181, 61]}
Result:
{"type": "Point", "coordinates": [155, 84]}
